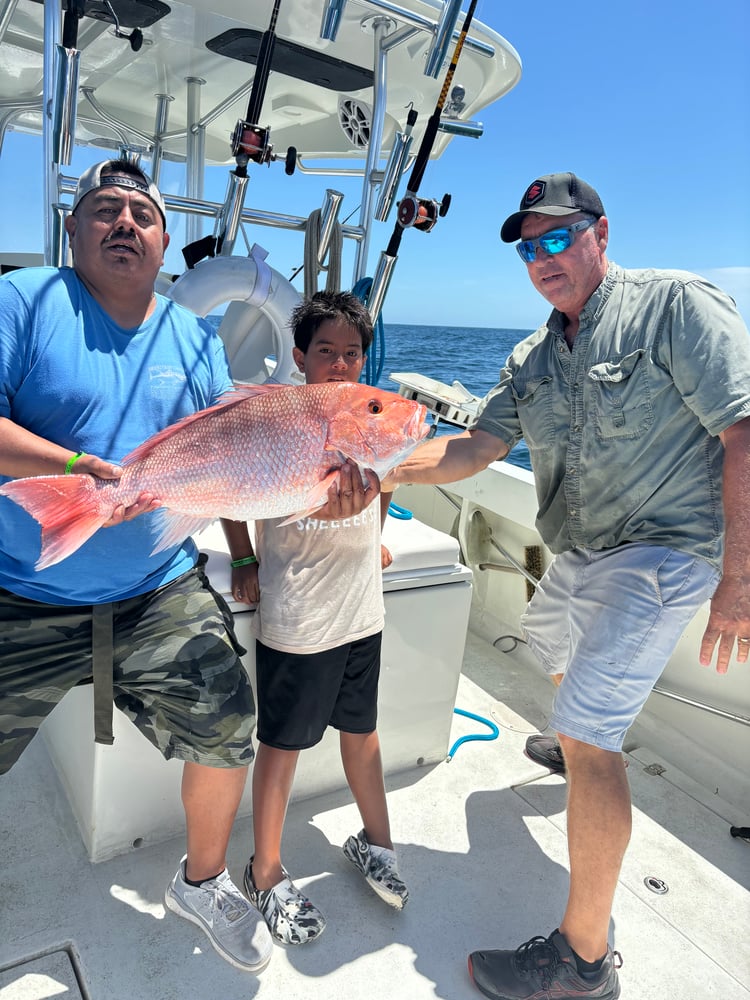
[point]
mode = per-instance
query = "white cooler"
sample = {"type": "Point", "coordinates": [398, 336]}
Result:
{"type": "Point", "coordinates": [127, 795]}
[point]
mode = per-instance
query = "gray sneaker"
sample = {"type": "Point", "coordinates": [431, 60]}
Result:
{"type": "Point", "coordinates": [291, 917]}
{"type": "Point", "coordinates": [218, 907]}
{"type": "Point", "coordinates": [378, 865]}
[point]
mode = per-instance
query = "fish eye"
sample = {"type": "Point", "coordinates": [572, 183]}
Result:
{"type": "Point", "coordinates": [374, 406]}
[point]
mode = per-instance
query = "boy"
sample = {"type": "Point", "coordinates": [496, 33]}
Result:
{"type": "Point", "coordinates": [318, 627]}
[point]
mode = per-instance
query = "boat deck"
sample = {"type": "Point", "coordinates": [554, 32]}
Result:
{"type": "Point", "coordinates": [481, 845]}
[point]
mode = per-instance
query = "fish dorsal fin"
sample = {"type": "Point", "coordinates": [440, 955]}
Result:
{"type": "Point", "coordinates": [226, 402]}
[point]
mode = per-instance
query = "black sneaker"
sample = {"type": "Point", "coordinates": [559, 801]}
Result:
{"type": "Point", "coordinates": [545, 750]}
{"type": "Point", "coordinates": [541, 969]}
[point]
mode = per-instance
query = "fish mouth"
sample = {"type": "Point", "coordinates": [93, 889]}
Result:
{"type": "Point", "coordinates": [418, 426]}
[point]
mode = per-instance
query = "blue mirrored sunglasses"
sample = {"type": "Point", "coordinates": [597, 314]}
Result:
{"type": "Point", "coordinates": [552, 242]}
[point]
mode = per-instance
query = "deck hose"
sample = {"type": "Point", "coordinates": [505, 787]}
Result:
{"type": "Point", "coordinates": [376, 354]}
{"type": "Point", "coordinates": [492, 735]}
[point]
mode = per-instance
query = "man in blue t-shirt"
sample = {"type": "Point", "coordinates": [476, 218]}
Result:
{"type": "Point", "coordinates": [93, 362]}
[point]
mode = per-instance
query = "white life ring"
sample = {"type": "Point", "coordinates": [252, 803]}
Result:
{"type": "Point", "coordinates": [257, 321]}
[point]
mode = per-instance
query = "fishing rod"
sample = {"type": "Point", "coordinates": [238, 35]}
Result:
{"type": "Point", "coordinates": [415, 212]}
{"type": "Point", "coordinates": [249, 141]}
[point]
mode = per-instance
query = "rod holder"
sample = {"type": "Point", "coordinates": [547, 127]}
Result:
{"type": "Point", "coordinates": [228, 220]}
{"type": "Point", "coordinates": [474, 130]}
{"type": "Point", "coordinates": [443, 36]}
{"type": "Point", "coordinates": [67, 63]}
{"type": "Point", "coordinates": [329, 26]}
{"type": "Point", "coordinates": [380, 282]}
{"type": "Point", "coordinates": [393, 172]}
{"type": "Point", "coordinates": [160, 127]}
{"type": "Point", "coordinates": [328, 216]}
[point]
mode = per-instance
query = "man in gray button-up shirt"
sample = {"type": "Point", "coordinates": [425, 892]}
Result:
{"type": "Point", "coordinates": [634, 401]}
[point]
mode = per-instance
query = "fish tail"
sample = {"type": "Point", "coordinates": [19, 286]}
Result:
{"type": "Point", "coordinates": [68, 508]}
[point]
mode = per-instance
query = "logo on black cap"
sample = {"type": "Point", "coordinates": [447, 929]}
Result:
{"type": "Point", "coordinates": [534, 193]}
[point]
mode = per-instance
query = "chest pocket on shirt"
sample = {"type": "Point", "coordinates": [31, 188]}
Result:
{"type": "Point", "coordinates": [533, 396]}
{"type": "Point", "coordinates": [622, 396]}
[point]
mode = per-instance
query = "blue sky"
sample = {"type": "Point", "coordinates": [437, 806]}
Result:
{"type": "Point", "coordinates": [648, 101]}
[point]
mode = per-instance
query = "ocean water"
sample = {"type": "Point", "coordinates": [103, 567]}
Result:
{"type": "Point", "coordinates": [472, 355]}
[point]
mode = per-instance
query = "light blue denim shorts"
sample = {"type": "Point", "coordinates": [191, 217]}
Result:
{"type": "Point", "coordinates": [609, 621]}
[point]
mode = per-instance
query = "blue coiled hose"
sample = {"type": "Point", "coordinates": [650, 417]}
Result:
{"type": "Point", "coordinates": [376, 354]}
{"type": "Point", "coordinates": [492, 735]}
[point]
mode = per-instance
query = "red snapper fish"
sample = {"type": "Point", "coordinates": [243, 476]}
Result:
{"type": "Point", "coordinates": [261, 451]}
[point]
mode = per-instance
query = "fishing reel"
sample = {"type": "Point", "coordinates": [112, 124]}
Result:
{"type": "Point", "coordinates": [421, 213]}
{"type": "Point", "coordinates": [252, 142]}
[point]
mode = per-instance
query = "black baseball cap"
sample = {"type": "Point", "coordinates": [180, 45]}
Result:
{"type": "Point", "coordinates": [553, 194]}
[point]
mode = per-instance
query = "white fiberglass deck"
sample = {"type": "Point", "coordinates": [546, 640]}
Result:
{"type": "Point", "coordinates": [481, 845]}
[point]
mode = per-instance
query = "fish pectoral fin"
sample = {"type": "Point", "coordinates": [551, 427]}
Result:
{"type": "Point", "coordinates": [316, 498]}
{"type": "Point", "coordinates": [174, 528]}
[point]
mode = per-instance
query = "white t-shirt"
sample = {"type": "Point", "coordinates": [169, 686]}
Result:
{"type": "Point", "coordinates": [320, 582]}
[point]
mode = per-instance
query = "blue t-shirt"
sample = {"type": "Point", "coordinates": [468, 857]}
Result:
{"type": "Point", "coordinates": [71, 375]}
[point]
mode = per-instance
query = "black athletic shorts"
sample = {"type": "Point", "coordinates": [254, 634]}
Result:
{"type": "Point", "coordinates": [300, 694]}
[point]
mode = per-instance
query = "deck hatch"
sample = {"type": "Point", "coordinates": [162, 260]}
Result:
{"type": "Point", "coordinates": [53, 972]}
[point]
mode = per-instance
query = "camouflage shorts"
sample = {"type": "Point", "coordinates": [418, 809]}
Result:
{"type": "Point", "coordinates": [176, 670]}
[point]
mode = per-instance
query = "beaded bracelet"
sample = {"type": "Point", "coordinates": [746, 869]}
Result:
{"type": "Point", "coordinates": [247, 561]}
{"type": "Point", "coordinates": [72, 461]}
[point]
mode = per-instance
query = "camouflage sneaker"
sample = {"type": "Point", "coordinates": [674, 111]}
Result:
{"type": "Point", "coordinates": [542, 968]}
{"type": "Point", "coordinates": [219, 908]}
{"type": "Point", "coordinates": [378, 865]}
{"type": "Point", "coordinates": [289, 914]}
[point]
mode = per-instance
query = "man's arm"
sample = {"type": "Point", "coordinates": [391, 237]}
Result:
{"type": "Point", "coordinates": [448, 459]}
{"type": "Point", "coordinates": [23, 453]}
{"type": "Point", "coordinates": [730, 607]}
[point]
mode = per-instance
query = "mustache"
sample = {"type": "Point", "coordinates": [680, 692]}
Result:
{"type": "Point", "coordinates": [123, 236]}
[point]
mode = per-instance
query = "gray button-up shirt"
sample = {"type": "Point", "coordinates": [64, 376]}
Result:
{"type": "Point", "coordinates": [622, 429]}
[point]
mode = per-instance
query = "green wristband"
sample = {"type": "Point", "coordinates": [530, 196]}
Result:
{"type": "Point", "coordinates": [72, 461]}
{"type": "Point", "coordinates": [247, 561]}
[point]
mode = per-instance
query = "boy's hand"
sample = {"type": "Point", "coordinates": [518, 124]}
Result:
{"type": "Point", "coordinates": [245, 586]}
{"type": "Point", "coordinates": [349, 496]}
